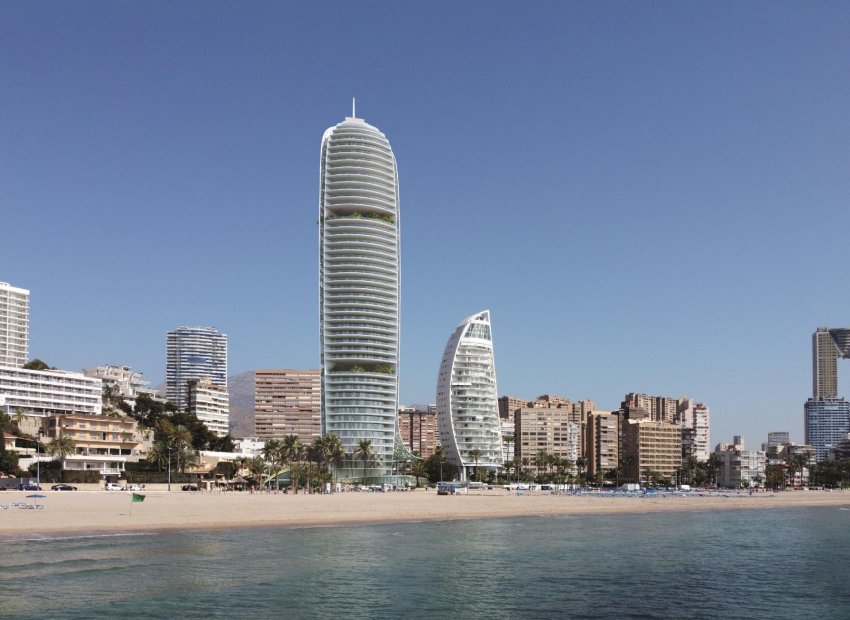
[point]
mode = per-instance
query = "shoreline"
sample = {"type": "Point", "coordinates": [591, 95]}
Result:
{"type": "Point", "coordinates": [111, 513]}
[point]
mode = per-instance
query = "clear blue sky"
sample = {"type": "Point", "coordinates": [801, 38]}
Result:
{"type": "Point", "coordinates": [648, 196]}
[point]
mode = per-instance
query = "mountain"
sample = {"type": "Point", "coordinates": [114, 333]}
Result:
{"type": "Point", "coordinates": [241, 389]}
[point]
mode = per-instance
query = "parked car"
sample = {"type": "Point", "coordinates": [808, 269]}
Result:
{"type": "Point", "coordinates": [137, 487]}
{"type": "Point", "coordinates": [63, 487]}
{"type": "Point", "coordinates": [114, 486]}
{"type": "Point", "coordinates": [30, 487]}
{"type": "Point", "coordinates": [190, 487]}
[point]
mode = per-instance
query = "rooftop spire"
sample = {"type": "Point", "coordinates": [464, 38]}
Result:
{"type": "Point", "coordinates": [353, 107]}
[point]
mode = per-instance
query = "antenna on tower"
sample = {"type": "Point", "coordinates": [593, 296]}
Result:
{"type": "Point", "coordinates": [353, 107]}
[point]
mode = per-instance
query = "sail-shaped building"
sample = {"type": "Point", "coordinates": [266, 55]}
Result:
{"type": "Point", "coordinates": [467, 402]}
{"type": "Point", "coordinates": [359, 293]}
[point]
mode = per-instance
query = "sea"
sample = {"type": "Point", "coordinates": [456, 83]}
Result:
{"type": "Point", "coordinates": [789, 563]}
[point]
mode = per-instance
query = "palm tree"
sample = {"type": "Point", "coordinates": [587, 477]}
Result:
{"type": "Point", "coordinates": [335, 451]}
{"type": "Point", "coordinates": [61, 446]}
{"type": "Point", "coordinates": [581, 464]}
{"type": "Point", "coordinates": [271, 453]}
{"type": "Point", "coordinates": [257, 466]}
{"type": "Point", "coordinates": [475, 455]}
{"type": "Point", "coordinates": [365, 453]}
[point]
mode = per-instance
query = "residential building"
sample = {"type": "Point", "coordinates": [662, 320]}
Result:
{"type": "Point", "coordinates": [508, 430]}
{"type": "Point", "coordinates": [827, 420]}
{"type": "Point", "coordinates": [418, 429]}
{"type": "Point", "coordinates": [601, 442]}
{"type": "Point", "coordinates": [467, 407]}
{"type": "Point", "coordinates": [359, 272]}
{"type": "Point", "coordinates": [738, 467]}
{"type": "Point", "coordinates": [841, 450]}
{"type": "Point", "coordinates": [194, 353]}
{"type": "Point", "coordinates": [828, 344]}
{"type": "Point", "coordinates": [102, 443]}
{"type": "Point", "coordinates": [14, 325]}
{"type": "Point", "coordinates": [694, 418]}
{"type": "Point", "coordinates": [508, 405]}
{"type": "Point", "coordinates": [288, 402]}
{"type": "Point", "coordinates": [778, 439]}
{"type": "Point", "coordinates": [126, 384]}
{"type": "Point", "coordinates": [47, 392]}
{"type": "Point", "coordinates": [546, 429]}
{"type": "Point", "coordinates": [651, 450]}
{"type": "Point", "coordinates": [659, 408]}
{"type": "Point", "coordinates": [210, 403]}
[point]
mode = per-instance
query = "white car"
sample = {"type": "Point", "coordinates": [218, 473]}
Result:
{"type": "Point", "coordinates": [137, 487]}
{"type": "Point", "coordinates": [112, 486]}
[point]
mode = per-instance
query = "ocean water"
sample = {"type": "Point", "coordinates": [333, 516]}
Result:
{"type": "Point", "coordinates": [738, 563]}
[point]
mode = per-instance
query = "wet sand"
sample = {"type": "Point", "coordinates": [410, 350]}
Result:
{"type": "Point", "coordinates": [102, 511]}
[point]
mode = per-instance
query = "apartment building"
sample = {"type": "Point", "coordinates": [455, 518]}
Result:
{"type": "Point", "coordinates": [288, 402]}
{"type": "Point", "coordinates": [651, 450]}
{"type": "Point", "coordinates": [210, 403]}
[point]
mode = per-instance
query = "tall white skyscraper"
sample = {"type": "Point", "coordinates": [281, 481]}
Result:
{"type": "Point", "coordinates": [194, 353]}
{"type": "Point", "coordinates": [14, 325]}
{"type": "Point", "coordinates": [359, 291]}
{"type": "Point", "coordinates": [467, 402]}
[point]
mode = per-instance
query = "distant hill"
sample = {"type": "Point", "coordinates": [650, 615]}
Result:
{"type": "Point", "coordinates": [241, 389]}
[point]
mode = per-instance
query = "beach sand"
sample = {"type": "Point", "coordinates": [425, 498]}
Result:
{"type": "Point", "coordinates": [102, 511]}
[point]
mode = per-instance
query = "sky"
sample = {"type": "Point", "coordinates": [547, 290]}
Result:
{"type": "Point", "coordinates": [648, 196]}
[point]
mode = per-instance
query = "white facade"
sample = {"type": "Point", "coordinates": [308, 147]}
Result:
{"type": "Point", "coordinates": [46, 392]}
{"type": "Point", "coordinates": [14, 325]}
{"type": "Point", "coordinates": [826, 421]}
{"type": "Point", "coordinates": [194, 353]}
{"type": "Point", "coordinates": [467, 402]}
{"type": "Point", "coordinates": [211, 403]}
{"type": "Point", "coordinates": [737, 467]}
{"type": "Point", "coordinates": [129, 384]}
{"type": "Point", "coordinates": [696, 418]}
{"type": "Point", "coordinates": [359, 291]}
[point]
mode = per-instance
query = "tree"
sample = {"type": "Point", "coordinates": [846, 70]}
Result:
{"type": "Point", "coordinates": [61, 446]}
{"type": "Point", "coordinates": [581, 465]}
{"type": "Point", "coordinates": [36, 364]}
{"type": "Point", "coordinates": [365, 452]}
{"type": "Point", "coordinates": [419, 470]}
{"type": "Point", "coordinates": [272, 453]}
{"type": "Point", "coordinates": [475, 455]}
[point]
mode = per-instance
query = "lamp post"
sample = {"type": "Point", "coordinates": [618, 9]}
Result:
{"type": "Point", "coordinates": [38, 458]}
{"type": "Point", "coordinates": [169, 469]}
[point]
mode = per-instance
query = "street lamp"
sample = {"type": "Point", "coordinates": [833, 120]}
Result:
{"type": "Point", "coordinates": [169, 469]}
{"type": "Point", "coordinates": [38, 458]}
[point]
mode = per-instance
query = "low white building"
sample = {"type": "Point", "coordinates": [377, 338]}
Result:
{"type": "Point", "coordinates": [738, 467]}
{"type": "Point", "coordinates": [43, 393]}
{"type": "Point", "coordinates": [211, 403]}
{"type": "Point", "coordinates": [127, 383]}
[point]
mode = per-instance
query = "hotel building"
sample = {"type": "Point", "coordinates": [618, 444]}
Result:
{"type": "Point", "coordinates": [467, 403]}
{"type": "Point", "coordinates": [47, 392]}
{"type": "Point", "coordinates": [288, 402]}
{"type": "Point", "coordinates": [359, 291]}
{"type": "Point", "coordinates": [601, 442]}
{"type": "Point", "coordinates": [694, 419]}
{"type": "Point", "coordinates": [418, 429]}
{"type": "Point", "coordinates": [210, 403]}
{"type": "Point", "coordinates": [650, 447]}
{"type": "Point", "coordinates": [194, 353]}
{"type": "Point", "coordinates": [547, 429]}
{"type": "Point", "coordinates": [738, 467]}
{"type": "Point", "coordinates": [14, 325]}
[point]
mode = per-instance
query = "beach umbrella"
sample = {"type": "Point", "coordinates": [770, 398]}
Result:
{"type": "Point", "coordinates": [36, 496]}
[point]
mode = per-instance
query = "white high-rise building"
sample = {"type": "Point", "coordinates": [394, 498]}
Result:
{"type": "Point", "coordinates": [467, 401]}
{"type": "Point", "coordinates": [194, 353]}
{"type": "Point", "coordinates": [359, 291]}
{"type": "Point", "coordinates": [14, 325]}
{"type": "Point", "coordinates": [211, 404]}
{"type": "Point", "coordinates": [695, 420]}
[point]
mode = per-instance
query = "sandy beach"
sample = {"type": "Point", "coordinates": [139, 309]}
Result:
{"type": "Point", "coordinates": [101, 511]}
